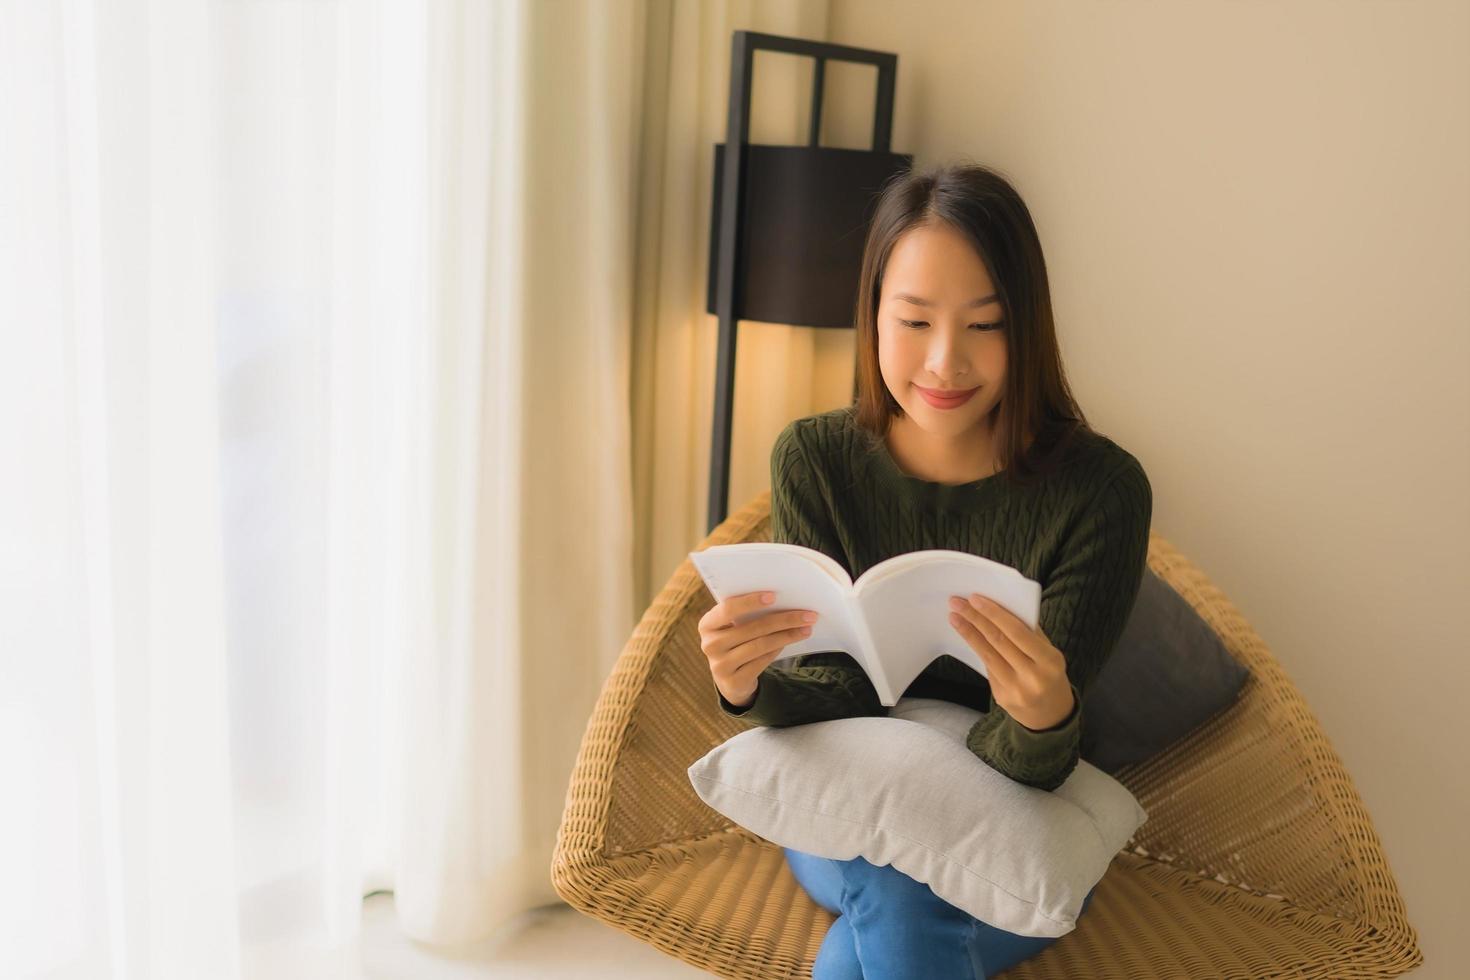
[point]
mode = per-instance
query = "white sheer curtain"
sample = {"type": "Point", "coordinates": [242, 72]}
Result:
{"type": "Point", "coordinates": [262, 641]}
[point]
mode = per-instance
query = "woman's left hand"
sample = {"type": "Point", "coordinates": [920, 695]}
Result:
{"type": "Point", "coordinates": [1028, 676]}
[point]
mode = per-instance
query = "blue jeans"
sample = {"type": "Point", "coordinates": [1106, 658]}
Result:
{"type": "Point", "coordinates": [893, 927]}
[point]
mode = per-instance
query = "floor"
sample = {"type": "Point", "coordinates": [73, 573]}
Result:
{"type": "Point", "coordinates": [550, 943]}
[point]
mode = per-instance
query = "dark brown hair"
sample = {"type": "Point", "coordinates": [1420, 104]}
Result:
{"type": "Point", "coordinates": [981, 205]}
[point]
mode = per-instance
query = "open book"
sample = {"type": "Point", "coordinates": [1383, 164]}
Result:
{"type": "Point", "coordinates": [894, 620]}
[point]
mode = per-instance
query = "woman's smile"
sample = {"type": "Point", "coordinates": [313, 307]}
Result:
{"type": "Point", "coordinates": [934, 397]}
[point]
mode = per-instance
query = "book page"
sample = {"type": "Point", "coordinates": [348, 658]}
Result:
{"type": "Point", "coordinates": [802, 578]}
{"type": "Point", "coordinates": [906, 606]}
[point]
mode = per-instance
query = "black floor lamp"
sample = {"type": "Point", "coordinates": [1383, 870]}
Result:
{"type": "Point", "coordinates": [787, 231]}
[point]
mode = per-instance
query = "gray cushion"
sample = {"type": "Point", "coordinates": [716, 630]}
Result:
{"type": "Point", "coordinates": [904, 790]}
{"type": "Point", "coordinates": [1169, 674]}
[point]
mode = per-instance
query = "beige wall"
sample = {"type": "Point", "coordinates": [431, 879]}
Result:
{"type": "Point", "coordinates": [1256, 219]}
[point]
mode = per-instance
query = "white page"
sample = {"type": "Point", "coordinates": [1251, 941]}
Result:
{"type": "Point", "coordinates": [907, 609]}
{"type": "Point", "coordinates": [802, 578]}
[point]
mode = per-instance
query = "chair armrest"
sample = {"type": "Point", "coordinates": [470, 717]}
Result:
{"type": "Point", "coordinates": [656, 714]}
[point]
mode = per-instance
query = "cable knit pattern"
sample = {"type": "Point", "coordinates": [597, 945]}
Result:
{"type": "Point", "coordinates": [1082, 532]}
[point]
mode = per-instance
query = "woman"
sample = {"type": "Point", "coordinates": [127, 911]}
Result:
{"type": "Point", "coordinates": [965, 436]}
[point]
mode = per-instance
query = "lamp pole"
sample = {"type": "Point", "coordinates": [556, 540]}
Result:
{"type": "Point", "coordinates": [737, 129]}
{"type": "Point", "coordinates": [807, 210]}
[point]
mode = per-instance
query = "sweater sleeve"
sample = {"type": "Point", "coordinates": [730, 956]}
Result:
{"type": "Point", "coordinates": [1084, 607]}
{"type": "Point", "coordinates": [814, 686]}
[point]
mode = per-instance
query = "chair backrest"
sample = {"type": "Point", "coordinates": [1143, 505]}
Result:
{"type": "Point", "coordinates": [1257, 797]}
{"type": "Point", "coordinates": [666, 707]}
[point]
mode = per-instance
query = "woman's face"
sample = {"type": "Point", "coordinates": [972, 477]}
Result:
{"type": "Point", "coordinates": [947, 342]}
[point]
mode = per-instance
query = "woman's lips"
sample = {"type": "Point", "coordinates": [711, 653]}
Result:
{"type": "Point", "coordinates": [939, 401]}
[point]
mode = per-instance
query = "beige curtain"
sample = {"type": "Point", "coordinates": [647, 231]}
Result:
{"type": "Point", "coordinates": [318, 386]}
{"type": "Point", "coordinates": [781, 372]}
{"type": "Point", "coordinates": [599, 155]}
{"type": "Point", "coordinates": [330, 318]}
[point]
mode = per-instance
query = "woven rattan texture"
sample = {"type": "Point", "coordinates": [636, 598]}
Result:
{"type": "Point", "coordinates": [1258, 858]}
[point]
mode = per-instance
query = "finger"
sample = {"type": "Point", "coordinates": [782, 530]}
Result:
{"type": "Point", "coordinates": [998, 670]}
{"type": "Point", "coordinates": [741, 605]}
{"type": "Point", "coordinates": [1006, 633]}
{"type": "Point", "coordinates": [727, 639]}
{"type": "Point", "coordinates": [754, 655]}
{"type": "Point", "coordinates": [999, 646]}
{"type": "Point", "coordinates": [764, 625]}
{"type": "Point", "coordinates": [723, 613]}
{"type": "Point", "coordinates": [1016, 654]}
{"type": "Point", "coordinates": [747, 673]}
{"type": "Point", "coordinates": [707, 621]}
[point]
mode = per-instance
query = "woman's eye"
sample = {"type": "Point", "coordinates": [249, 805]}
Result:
{"type": "Point", "coordinates": [925, 323]}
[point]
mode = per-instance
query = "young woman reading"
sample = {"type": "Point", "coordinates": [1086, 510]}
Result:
{"type": "Point", "coordinates": [965, 436]}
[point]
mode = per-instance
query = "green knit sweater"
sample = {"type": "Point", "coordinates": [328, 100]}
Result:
{"type": "Point", "coordinates": [1082, 533]}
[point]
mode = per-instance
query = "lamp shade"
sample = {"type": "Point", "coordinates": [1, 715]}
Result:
{"type": "Point", "coordinates": [804, 217]}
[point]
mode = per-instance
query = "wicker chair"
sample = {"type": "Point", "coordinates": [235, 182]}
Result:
{"type": "Point", "coordinates": [1257, 860]}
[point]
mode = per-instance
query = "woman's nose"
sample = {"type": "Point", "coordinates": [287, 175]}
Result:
{"type": "Point", "coordinates": [947, 362]}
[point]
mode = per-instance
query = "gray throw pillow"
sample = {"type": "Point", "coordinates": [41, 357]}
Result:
{"type": "Point", "coordinates": [904, 790]}
{"type": "Point", "coordinates": [1168, 675]}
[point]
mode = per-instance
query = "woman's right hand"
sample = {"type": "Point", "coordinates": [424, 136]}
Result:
{"type": "Point", "coordinates": [737, 654]}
